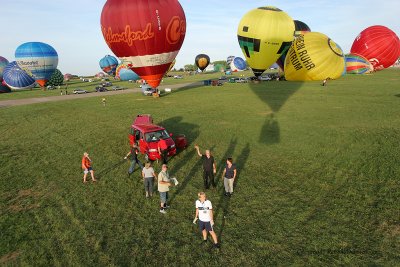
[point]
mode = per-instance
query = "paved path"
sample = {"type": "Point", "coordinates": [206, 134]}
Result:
{"type": "Point", "coordinates": [28, 101]}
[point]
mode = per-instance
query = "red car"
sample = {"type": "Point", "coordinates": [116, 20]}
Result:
{"type": "Point", "coordinates": [147, 135]}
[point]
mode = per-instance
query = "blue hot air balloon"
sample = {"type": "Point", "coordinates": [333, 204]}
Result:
{"type": "Point", "coordinates": [109, 64]}
{"type": "Point", "coordinates": [128, 74]}
{"type": "Point", "coordinates": [38, 59]}
{"type": "Point", "coordinates": [3, 63]}
{"type": "Point", "coordinates": [238, 64]}
{"type": "Point", "coordinates": [16, 78]}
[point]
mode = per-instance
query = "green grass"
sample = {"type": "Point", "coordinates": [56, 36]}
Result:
{"type": "Point", "coordinates": [90, 86]}
{"type": "Point", "coordinates": [318, 182]}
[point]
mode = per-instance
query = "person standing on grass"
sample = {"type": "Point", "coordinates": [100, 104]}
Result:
{"type": "Point", "coordinates": [163, 187]}
{"type": "Point", "coordinates": [87, 167]}
{"type": "Point", "coordinates": [209, 168]}
{"type": "Point", "coordinates": [133, 155]}
{"type": "Point", "coordinates": [229, 176]}
{"type": "Point", "coordinates": [103, 101]}
{"type": "Point", "coordinates": [148, 175]}
{"type": "Point", "coordinates": [163, 150]}
{"type": "Point", "coordinates": [204, 213]}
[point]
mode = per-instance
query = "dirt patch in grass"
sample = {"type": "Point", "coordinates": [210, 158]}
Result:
{"type": "Point", "coordinates": [10, 257]}
{"type": "Point", "coordinates": [26, 199]}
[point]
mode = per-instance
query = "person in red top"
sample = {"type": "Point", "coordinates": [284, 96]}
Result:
{"type": "Point", "coordinates": [87, 167]}
{"type": "Point", "coordinates": [163, 150]}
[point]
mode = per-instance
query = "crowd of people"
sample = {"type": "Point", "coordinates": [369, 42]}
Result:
{"type": "Point", "coordinates": [203, 206]}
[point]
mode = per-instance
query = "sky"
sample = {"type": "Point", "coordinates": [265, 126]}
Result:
{"type": "Point", "coordinates": [73, 27]}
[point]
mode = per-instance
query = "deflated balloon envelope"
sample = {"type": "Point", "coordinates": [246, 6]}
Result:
{"type": "Point", "coordinates": [16, 78]}
{"type": "Point", "coordinates": [356, 64]}
{"type": "Point", "coordinates": [314, 56]}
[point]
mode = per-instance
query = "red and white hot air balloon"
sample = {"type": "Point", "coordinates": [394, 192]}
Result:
{"type": "Point", "coordinates": [146, 35]}
{"type": "Point", "coordinates": [378, 44]}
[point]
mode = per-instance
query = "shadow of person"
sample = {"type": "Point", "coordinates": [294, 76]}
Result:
{"type": "Point", "coordinates": [108, 169]}
{"type": "Point", "coordinates": [275, 94]}
{"type": "Point", "coordinates": [224, 202]}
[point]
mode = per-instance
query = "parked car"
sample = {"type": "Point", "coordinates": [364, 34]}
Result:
{"type": "Point", "coordinates": [101, 89]}
{"type": "Point", "coordinates": [115, 88]}
{"type": "Point", "coordinates": [264, 78]}
{"type": "Point", "coordinates": [79, 91]}
{"type": "Point", "coordinates": [233, 79]}
{"type": "Point", "coordinates": [147, 135]}
{"type": "Point", "coordinates": [241, 80]}
{"type": "Point", "coordinates": [178, 77]}
{"type": "Point", "coordinates": [253, 78]}
{"type": "Point", "coordinates": [106, 84]}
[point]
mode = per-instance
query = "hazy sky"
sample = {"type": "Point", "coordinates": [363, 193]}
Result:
{"type": "Point", "coordinates": [73, 27]}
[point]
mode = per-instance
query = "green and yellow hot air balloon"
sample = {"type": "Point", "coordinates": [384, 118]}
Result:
{"type": "Point", "coordinates": [264, 34]}
{"type": "Point", "coordinates": [313, 56]}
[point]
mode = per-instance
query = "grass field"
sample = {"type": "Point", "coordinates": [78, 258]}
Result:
{"type": "Point", "coordinates": [90, 86]}
{"type": "Point", "coordinates": [318, 180]}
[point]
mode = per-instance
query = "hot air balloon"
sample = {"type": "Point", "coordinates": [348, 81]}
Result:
{"type": "Point", "coordinates": [56, 79]}
{"type": "Point", "coordinates": [4, 88]}
{"type": "Point", "coordinates": [202, 61]}
{"type": "Point", "coordinates": [264, 34]}
{"type": "Point", "coordinates": [313, 56]}
{"type": "Point", "coordinates": [16, 78]}
{"type": "Point", "coordinates": [356, 64]}
{"type": "Point", "coordinates": [378, 44]}
{"type": "Point", "coordinates": [39, 60]}
{"type": "Point", "coordinates": [300, 27]}
{"type": "Point", "coordinates": [3, 63]}
{"type": "Point", "coordinates": [229, 60]}
{"type": "Point", "coordinates": [67, 77]}
{"type": "Point", "coordinates": [128, 75]}
{"type": "Point", "coordinates": [145, 35]}
{"type": "Point", "coordinates": [238, 64]}
{"type": "Point", "coordinates": [109, 64]}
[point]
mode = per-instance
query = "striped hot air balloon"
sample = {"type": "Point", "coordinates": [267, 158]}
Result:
{"type": "Point", "coordinates": [3, 63]}
{"type": "Point", "coordinates": [356, 64]}
{"type": "Point", "coordinates": [38, 59]}
{"type": "Point", "coordinates": [145, 35]}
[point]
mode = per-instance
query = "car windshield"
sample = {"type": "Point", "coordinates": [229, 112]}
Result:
{"type": "Point", "coordinates": [156, 136]}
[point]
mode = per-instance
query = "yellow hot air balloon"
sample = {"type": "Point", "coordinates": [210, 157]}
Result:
{"type": "Point", "coordinates": [264, 34]}
{"type": "Point", "coordinates": [313, 56]}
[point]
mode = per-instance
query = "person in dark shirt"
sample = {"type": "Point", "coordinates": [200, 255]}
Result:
{"type": "Point", "coordinates": [229, 176]}
{"type": "Point", "coordinates": [163, 150]}
{"type": "Point", "coordinates": [133, 156]}
{"type": "Point", "coordinates": [209, 168]}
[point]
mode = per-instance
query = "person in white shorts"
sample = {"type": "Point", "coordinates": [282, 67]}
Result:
{"type": "Point", "coordinates": [204, 213]}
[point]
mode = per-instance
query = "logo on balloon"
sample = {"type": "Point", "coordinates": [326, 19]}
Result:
{"type": "Point", "coordinates": [128, 36]}
{"type": "Point", "coordinates": [175, 29]}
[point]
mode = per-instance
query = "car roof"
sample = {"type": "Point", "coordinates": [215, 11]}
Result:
{"type": "Point", "coordinates": [147, 127]}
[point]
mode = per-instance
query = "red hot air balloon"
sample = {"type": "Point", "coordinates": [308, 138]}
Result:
{"type": "Point", "coordinates": [378, 44]}
{"type": "Point", "coordinates": [145, 35]}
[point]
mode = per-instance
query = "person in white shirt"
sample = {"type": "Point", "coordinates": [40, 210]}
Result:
{"type": "Point", "coordinates": [204, 213]}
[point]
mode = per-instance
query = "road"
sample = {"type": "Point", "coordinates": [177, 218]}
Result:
{"type": "Point", "coordinates": [28, 101]}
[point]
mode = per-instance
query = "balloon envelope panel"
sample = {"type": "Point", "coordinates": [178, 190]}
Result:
{"type": "Point", "coordinates": [356, 64]}
{"type": "Point", "coordinates": [314, 56]}
{"type": "Point", "coordinates": [145, 35]}
{"type": "Point", "coordinates": [264, 34]}
{"type": "Point", "coordinates": [38, 59]}
{"type": "Point", "coordinates": [16, 78]}
{"type": "Point", "coordinates": [378, 44]}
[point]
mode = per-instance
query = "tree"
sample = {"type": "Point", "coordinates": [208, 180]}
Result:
{"type": "Point", "coordinates": [190, 67]}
